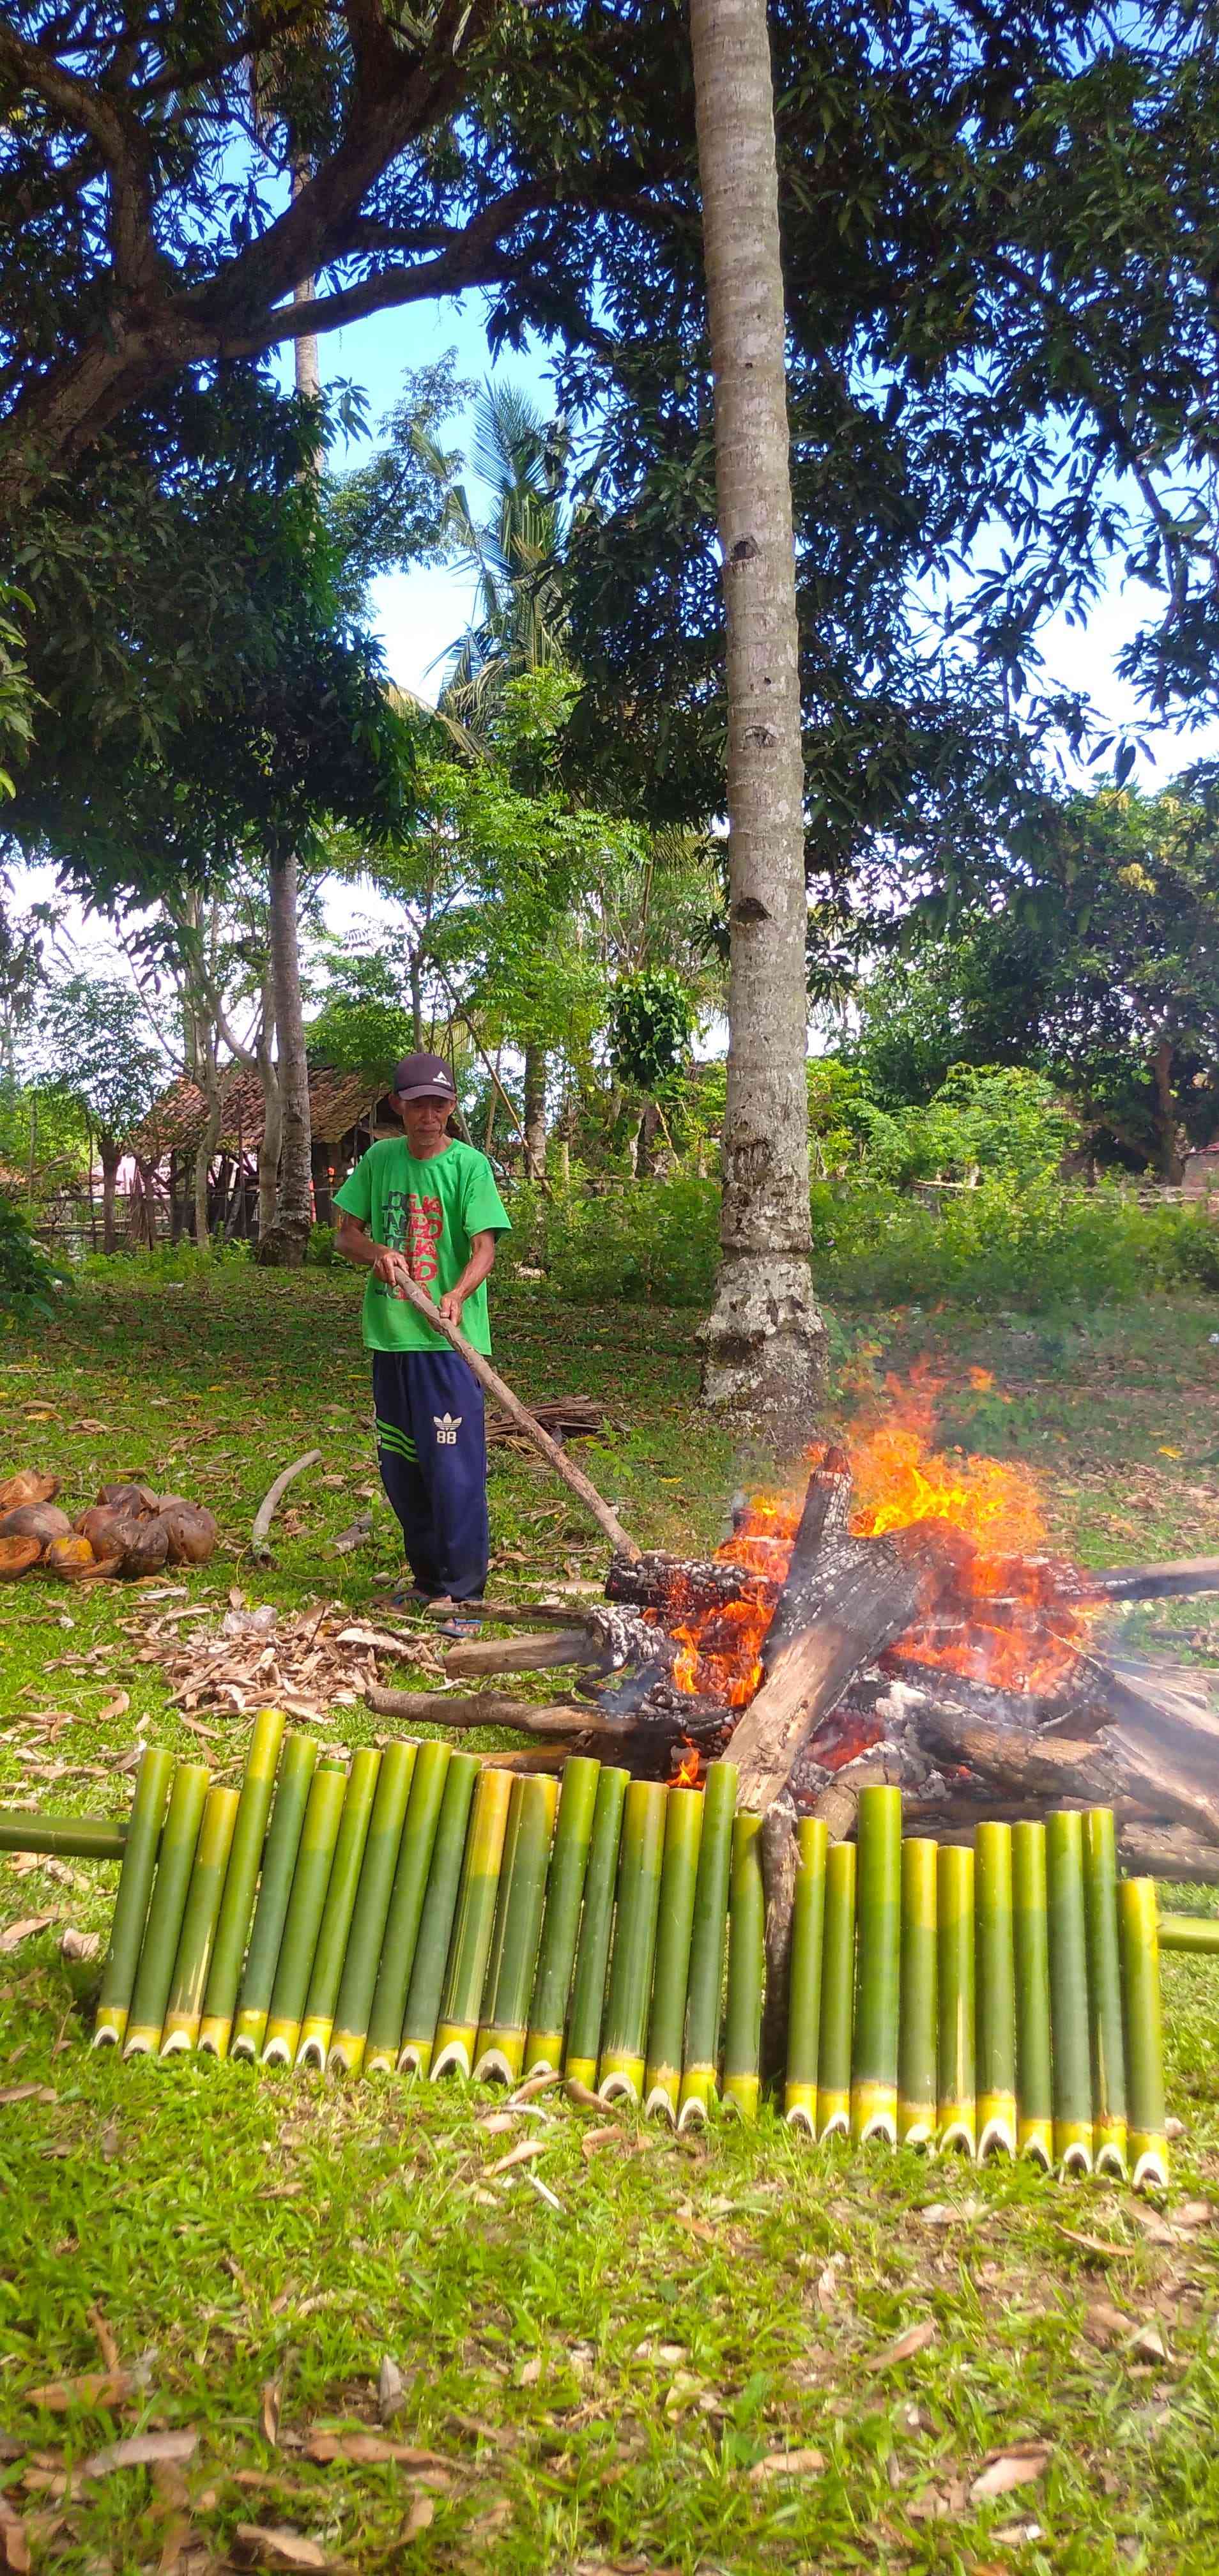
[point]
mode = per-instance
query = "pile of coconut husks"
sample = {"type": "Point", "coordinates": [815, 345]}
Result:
{"type": "Point", "coordinates": [128, 1529]}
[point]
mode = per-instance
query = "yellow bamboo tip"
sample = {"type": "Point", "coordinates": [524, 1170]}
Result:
{"type": "Point", "coordinates": [142, 2041]}
{"type": "Point", "coordinates": [543, 2052]}
{"type": "Point", "coordinates": [621, 2079]}
{"type": "Point", "coordinates": [179, 2034]}
{"type": "Point", "coordinates": [455, 2044]}
{"type": "Point", "coordinates": [280, 2045]}
{"type": "Point", "coordinates": [996, 2125]}
{"type": "Point", "coordinates": [916, 2124]}
{"type": "Point", "coordinates": [696, 2097]}
{"type": "Point", "coordinates": [416, 2057]}
{"type": "Point", "coordinates": [1035, 2139]}
{"type": "Point", "coordinates": [215, 2032]}
{"type": "Point", "coordinates": [833, 2114]}
{"type": "Point", "coordinates": [874, 2113]}
{"type": "Point", "coordinates": [381, 2062]}
{"type": "Point", "coordinates": [501, 2057]}
{"type": "Point", "coordinates": [314, 2043]}
{"type": "Point", "coordinates": [958, 2130]}
{"type": "Point", "coordinates": [110, 2029]}
{"type": "Point", "coordinates": [582, 2070]}
{"type": "Point", "coordinates": [247, 2036]}
{"type": "Point", "coordinates": [347, 2053]}
{"type": "Point", "coordinates": [663, 2084]}
{"type": "Point", "coordinates": [1073, 2146]}
{"type": "Point", "coordinates": [1109, 2147]}
{"type": "Point", "coordinates": [800, 2108]}
{"type": "Point", "coordinates": [741, 2095]}
{"type": "Point", "coordinates": [1148, 2151]}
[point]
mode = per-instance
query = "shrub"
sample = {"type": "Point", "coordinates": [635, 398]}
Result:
{"type": "Point", "coordinates": [29, 1279]}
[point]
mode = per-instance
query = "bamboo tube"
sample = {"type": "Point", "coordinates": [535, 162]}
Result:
{"type": "Point", "coordinates": [956, 2107]}
{"type": "Point", "coordinates": [406, 1904]}
{"type": "Point", "coordinates": [621, 2066]}
{"type": "Point", "coordinates": [1105, 1993]}
{"type": "Point", "coordinates": [241, 1879]}
{"type": "Point", "coordinates": [1195, 1936]}
{"type": "Point", "coordinates": [1064, 1876]}
{"type": "Point", "coordinates": [292, 1787]}
{"type": "Point", "coordinates": [66, 1837]}
{"type": "Point", "coordinates": [160, 1947]}
{"type": "Point", "coordinates": [496, 1800]}
{"type": "Point", "coordinates": [561, 1921]}
{"type": "Point", "coordinates": [917, 2056]}
{"type": "Point", "coordinates": [837, 1994]}
{"type": "Point", "coordinates": [306, 1905]}
{"type": "Point", "coordinates": [436, 1921]}
{"type": "Point", "coordinates": [705, 1983]}
{"type": "Point", "coordinates": [674, 1930]}
{"type": "Point", "coordinates": [500, 2047]}
{"type": "Point", "coordinates": [131, 1903]}
{"type": "Point", "coordinates": [371, 1909]}
{"type": "Point", "coordinates": [878, 1863]}
{"type": "Point", "coordinates": [184, 2006]}
{"type": "Point", "coordinates": [996, 1991]}
{"type": "Point", "coordinates": [592, 1948]}
{"type": "Point", "coordinates": [746, 1970]}
{"type": "Point", "coordinates": [804, 1975]}
{"type": "Point", "coordinates": [341, 1891]}
{"type": "Point", "coordinates": [1030, 1923]}
{"type": "Point", "coordinates": [1147, 2139]}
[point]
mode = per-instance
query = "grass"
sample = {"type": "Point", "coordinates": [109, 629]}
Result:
{"type": "Point", "coordinates": [616, 2384]}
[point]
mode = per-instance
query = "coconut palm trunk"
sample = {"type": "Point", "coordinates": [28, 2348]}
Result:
{"type": "Point", "coordinates": [764, 1341]}
{"type": "Point", "coordinates": [535, 1112]}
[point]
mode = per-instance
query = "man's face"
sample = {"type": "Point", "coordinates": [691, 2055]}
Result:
{"type": "Point", "coordinates": [426, 1123]}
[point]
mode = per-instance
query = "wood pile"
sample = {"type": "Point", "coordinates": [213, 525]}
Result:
{"type": "Point", "coordinates": [565, 1417]}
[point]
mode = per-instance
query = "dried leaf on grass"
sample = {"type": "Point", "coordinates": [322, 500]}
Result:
{"type": "Point", "coordinates": [91, 2388]}
{"type": "Point", "coordinates": [915, 2339]}
{"type": "Point", "coordinates": [594, 2138]}
{"type": "Point", "coordinates": [419, 2518]}
{"type": "Point", "coordinates": [270, 2410]}
{"type": "Point", "coordinates": [79, 1945]}
{"type": "Point", "coordinates": [27, 2093]}
{"type": "Point", "coordinates": [266, 2547]}
{"type": "Point", "coordinates": [519, 2155]}
{"type": "Point", "coordinates": [786, 2464]}
{"type": "Point", "coordinates": [14, 2547]}
{"type": "Point", "coordinates": [116, 1707]}
{"type": "Point", "coordinates": [1015, 2467]}
{"type": "Point", "coordinates": [106, 2344]}
{"type": "Point", "coordinates": [15, 1933]}
{"type": "Point", "coordinates": [307, 1662]}
{"type": "Point", "coordinates": [391, 2389]}
{"type": "Point", "coordinates": [140, 2452]}
{"type": "Point", "coordinates": [368, 2450]}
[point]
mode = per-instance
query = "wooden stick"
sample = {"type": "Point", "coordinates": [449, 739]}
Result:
{"type": "Point", "coordinates": [494, 1708]}
{"type": "Point", "coordinates": [1109, 1769]}
{"type": "Point", "coordinates": [493, 1384]}
{"type": "Point", "coordinates": [271, 1501]}
{"type": "Point", "coordinates": [1180, 1576]}
{"type": "Point", "coordinates": [533, 1654]}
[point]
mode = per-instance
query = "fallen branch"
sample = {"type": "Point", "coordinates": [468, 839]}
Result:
{"type": "Point", "coordinates": [493, 1708]}
{"type": "Point", "coordinates": [1173, 1581]}
{"type": "Point", "coordinates": [271, 1501]}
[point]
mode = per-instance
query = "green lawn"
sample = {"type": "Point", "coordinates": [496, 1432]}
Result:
{"type": "Point", "coordinates": [691, 2362]}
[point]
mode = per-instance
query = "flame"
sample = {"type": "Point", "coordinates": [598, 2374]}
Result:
{"type": "Point", "coordinates": [686, 1774]}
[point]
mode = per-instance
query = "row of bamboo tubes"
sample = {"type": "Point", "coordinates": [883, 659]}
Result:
{"type": "Point", "coordinates": [418, 1910]}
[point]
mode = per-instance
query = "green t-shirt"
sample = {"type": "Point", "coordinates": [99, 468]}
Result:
{"type": "Point", "coordinates": [429, 1211]}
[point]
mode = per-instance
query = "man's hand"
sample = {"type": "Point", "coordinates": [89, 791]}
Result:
{"type": "Point", "coordinates": [450, 1308]}
{"type": "Point", "coordinates": [392, 1268]}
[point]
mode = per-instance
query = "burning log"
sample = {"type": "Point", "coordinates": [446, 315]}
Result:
{"type": "Point", "coordinates": [866, 1601]}
{"type": "Point", "coordinates": [1176, 1580]}
{"type": "Point", "coordinates": [680, 1584]}
{"type": "Point", "coordinates": [528, 1654]}
{"type": "Point", "coordinates": [1113, 1769]}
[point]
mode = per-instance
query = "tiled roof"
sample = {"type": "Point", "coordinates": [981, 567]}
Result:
{"type": "Point", "coordinates": [175, 1122]}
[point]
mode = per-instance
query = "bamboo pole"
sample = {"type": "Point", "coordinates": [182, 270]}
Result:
{"type": "Point", "coordinates": [1147, 2139]}
{"type": "Point", "coordinates": [1105, 1993]}
{"type": "Point", "coordinates": [241, 1879]}
{"type": "Point", "coordinates": [1064, 1863]}
{"type": "Point", "coordinates": [746, 1970]}
{"type": "Point", "coordinates": [561, 1922]}
{"type": "Point", "coordinates": [837, 1994]}
{"type": "Point", "coordinates": [670, 1975]}
{"type": "Point", "coordinates": [957, 2106]}
{"type": "Point", "coordinates": [621, 2065]}
{"type": "Point", "coordinates": [293, 1782]}
{"type": "Point", "coordinates": [878, 1860]}
{"type": "Point", "coordinates": [1194, 1935]}
{"type": "Point", "coordinates": [407, 1897]}
{"type": "Point", "coordinates": [306, 1904]}
{"type": "Point", "coordinates": [342, 1888]}
{"type": "Point", "coordinates": [184, 2004]}
{"type": "Point", "coordinates": [705, 1982]}
{"type": "Point", "coordinates": [436, 1921]}
{"type": "Point", "coordinates": [500, 2047]}
{"type": "Point", "coordinates": [1030, 1924]}
{"type": "Point", "coordinates": [368, 1921]}
{"type": "Point", "coordinates": [592, 1948]}
{"type": "Point", "coordinates": [68, 1837]}
{"type": "Point", "coordinates": [180, 1834]}
{"type": "Point", "coordinates": [804, 1975]}
{"type": "Point", "coordinates": [918, 2021]}
{"type": "Point", "coordinates": [496, 1803]}
{"type": "Point", "coordinates": [122, 1958]}
{"type": "Point", "coordinates": [996, 1991]}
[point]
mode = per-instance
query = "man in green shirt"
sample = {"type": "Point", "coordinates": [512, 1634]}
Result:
{"type": "Point", "coordinates": [425, 1207]}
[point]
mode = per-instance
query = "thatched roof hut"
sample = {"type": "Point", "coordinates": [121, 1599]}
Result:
{"type": "Point", "coordinates": [347, 1113]}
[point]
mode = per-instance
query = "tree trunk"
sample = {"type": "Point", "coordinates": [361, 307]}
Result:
{"type": "Point", "coordinates": [111, 1154]}
{"type": "Point", "coordinates": [284, 1241]}
{"type": "Point", "coordinates": [272, 1117]}
{"type": "Point", "coordinates": [535, 1113]}
{"type": "Point", "coordinates": [416, 974]}
{"type": "Point", "coordinates": [764, 1342]}
{"type": "Point", "coordinates": [1170, 1162]}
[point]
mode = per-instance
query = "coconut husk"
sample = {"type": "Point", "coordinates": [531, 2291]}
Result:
{"type": "Point", "coordinates": [145, 1544]}
{"type": "Point", "coordinates": [29, 1485]}
{"type": "Point", "coordinates": [70, 1556]}
{"type": "Point", "coordinates": [103, 1527]}
{"type": "Point", "coordinates": [132, 1500]}
{"type": "Point", "coordinates": [192, 1533]}
{"type": "Point", "coordinates": [17, 1555]}
{"type": "Point", "coordinates": [43, 1521]}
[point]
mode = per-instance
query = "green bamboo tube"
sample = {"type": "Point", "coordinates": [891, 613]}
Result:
{"type": "Point", "coordinates": [306, 1906]}
{"type": "Point", "coordinates": [184, 2007]}
{"type": "Point", "coordinates": [573, 1835]}
{"type": "Point", "coordinates": [292, 1787]}
{"type": "Point", "coordinates": [596, 1922]}
{"type": "Point", "coordinates": [878, 1865]}
{"type": "Point", "coordinates": [1147, 2143]}
{"type": "Point", "coordinates": [996, 1991]}
{"type": "Point", "coordinates": [67, 1838]}
{"type": "Point", "coordinates": [371, 1908]}
{"type": "Point", "coordinates": [746, 1970]}
{"type": "Point", "coordinates": [241, 1879]}
{"type": "Point", "coordinates": [1105, 1993]}
{"type": "Point", "coordinates": [674, 1931]}
{"type": "Point", "coordinates": [957, 2107]}
{"type": "Point", "coordinates": [496, 1800]}
{"type": "Point", "coordinates": [436, 1920]}
{"type": "Point", "coordinates": [341, 1892]}
{"type": "Point", "coordinates": [837, 1994]}
{"type": "Point", "coordinates": [918, 2021]}
{"type": "Point", "coordinates": [131, 1903]}
{"type": "Point", "coordinates": [1030, 1923]}
{"type": "Point", "coordinates": [406, 1903]}
{"type": "Point", "coordinates": [1196, 1936]}
{"type": "Point", "coordinates": [500, 2046]}
{"type": "Point", "coordinates": [621, 2066]}
{"type": "Point", "coordinates": [180, 1834]}
{"type": "Point", "coordinates": [705, 1982]}
{"type": "Point", "coordinates": [804, 1975]}
{"type": "Point", "coordinates": [1072, 2048]}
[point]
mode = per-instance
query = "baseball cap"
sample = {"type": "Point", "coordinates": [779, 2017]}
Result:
{"type": "Point", "coordinates": [424, 1077]}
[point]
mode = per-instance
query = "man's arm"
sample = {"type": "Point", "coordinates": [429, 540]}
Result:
{"type": "Point", "coordinates": [479, 1267]}
{"type": "Point", "coordinates": [355, 1243]}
